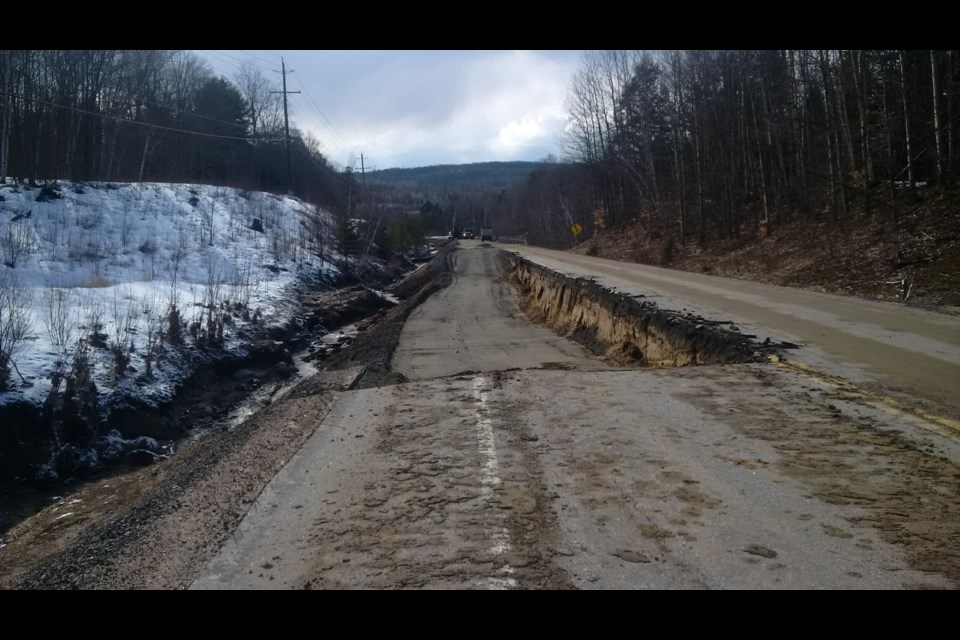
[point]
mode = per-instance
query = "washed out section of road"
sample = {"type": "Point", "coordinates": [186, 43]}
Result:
{"type": "Point", "coordinates": [527, 462]}
{"type": "Point", "coordinates": [476, 325]}
{"type": "Point", "coordinates": [627, 330]}
{"type": "Point", "coordinates": [913, 352]}
{"type": "Point", "coordinates": [524, 462]}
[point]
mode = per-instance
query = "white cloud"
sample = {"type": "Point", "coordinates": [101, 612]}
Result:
{"type": "Point", "coordinates": [430, 107]}
{"type": "Point", "coordinates": [517, 136]}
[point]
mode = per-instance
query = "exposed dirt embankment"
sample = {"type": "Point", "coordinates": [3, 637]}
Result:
{"type": "Point", "coordinates": [627, 330]}
{"type": "Point", "coordinates": [903, 251]}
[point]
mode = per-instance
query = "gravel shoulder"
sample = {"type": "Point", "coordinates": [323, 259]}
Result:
{"type": "Point", "coordinates": [151, 529]}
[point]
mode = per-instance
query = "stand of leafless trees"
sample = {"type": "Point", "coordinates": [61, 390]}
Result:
{"type": "Point", "coordinates": [721, 144]}
{"type": "Point", "coordinates": [112, 115]}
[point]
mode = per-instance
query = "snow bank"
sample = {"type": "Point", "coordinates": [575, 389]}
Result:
{"type": "Point", "coordinates": [120, 256]}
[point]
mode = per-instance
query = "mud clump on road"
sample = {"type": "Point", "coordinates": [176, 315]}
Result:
{"type": "Point", "coordinates": [624, 329]}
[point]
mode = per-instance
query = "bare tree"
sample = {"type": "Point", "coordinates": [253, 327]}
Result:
{"type": "Point", "coordinates": [16, 241]}
{"type": "Point", "coordinates": [5, 68]}
{"type": "Point", "coordinates": [123, 326]}
{"type": "Point", "coordinates": [934, 85]}
{"type": "Point", "coordinates": [266, 106]}
{"type": "Point", "coordinates": [59, 318]}
{"type": "Point", "coordinates": [911, 174]}
{"type": "Point", "coordinates": [16, 323]}
{"type": "Point", "coordinates": [152, 323]}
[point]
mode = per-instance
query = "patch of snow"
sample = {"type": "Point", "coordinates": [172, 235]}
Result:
{"type": "Point", "coordinates": [133, 250]}
{"type": "Point", "coordinates": [389, 297]}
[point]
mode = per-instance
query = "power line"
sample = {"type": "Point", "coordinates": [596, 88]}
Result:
{"type": "Point", "coordinates": [330, 143]}
{"type": "Point", "coordinates": [229, 55]}
{"type": "Point", "coordinates": [310, 97]}
{"type": "Point", "coordinates": [330, 172]}
{"type": "Point", "coordinates": [137, 122]}
{"type": "Point", "coordinates": [222, 60]}
{"type": "Point", "coordinates": [249, 53]}
{"type": "Point", "coordinates": [318, 124]}
{"type": "Point", "coordinates": [185, 112]}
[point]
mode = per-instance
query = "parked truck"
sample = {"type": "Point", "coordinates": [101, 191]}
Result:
{"type": "Point", "coordinates": [486, 234]}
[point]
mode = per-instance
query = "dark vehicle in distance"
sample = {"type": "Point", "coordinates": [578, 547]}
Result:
{"type": "Point", "coordinates": [468, 233]}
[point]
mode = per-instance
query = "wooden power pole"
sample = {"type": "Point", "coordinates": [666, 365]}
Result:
{"type": "Point", "coordinates": [286, 123]}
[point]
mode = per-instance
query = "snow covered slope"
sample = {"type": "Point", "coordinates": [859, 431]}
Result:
{"type": "Point", "coordinates": [104, 264]}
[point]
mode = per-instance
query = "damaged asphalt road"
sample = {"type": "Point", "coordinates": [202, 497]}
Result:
{"type": "Point", "coordinates": [460, 445]}
{"type": "Point", "coordinates": [510, 457]}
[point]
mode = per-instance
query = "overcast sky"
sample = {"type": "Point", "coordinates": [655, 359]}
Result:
{"type": "Point", "coordinates": [416, 108]}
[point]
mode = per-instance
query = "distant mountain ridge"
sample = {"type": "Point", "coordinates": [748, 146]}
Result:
{"type": "Point", "coordinates": [478, 175]}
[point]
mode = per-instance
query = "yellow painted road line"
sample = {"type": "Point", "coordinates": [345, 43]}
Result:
{"type": "Point", "coordinates": [873, 399]}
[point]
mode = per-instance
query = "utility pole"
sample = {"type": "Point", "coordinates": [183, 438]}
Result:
{"type": "Point", "coordinates": [286, 123]}
{"type": "Point", "coordinates": [350, 188]}
{"type": "Point", "coordinates": [373, 235]}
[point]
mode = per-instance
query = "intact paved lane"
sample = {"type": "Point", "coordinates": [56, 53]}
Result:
{"type": "Point", "coordinates": [903, 349]}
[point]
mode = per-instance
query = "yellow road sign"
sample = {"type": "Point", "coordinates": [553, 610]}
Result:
{"type": "Point", "coordinates": [576, 228]}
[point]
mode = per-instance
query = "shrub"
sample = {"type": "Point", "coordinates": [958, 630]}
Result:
{"type": "Point", "coordinates": [15, 323]}
{"type": "Point", "coordinates": [48, 193]}
{"type": "Point", "coordinates": [174, 331]}
{"type": "Point", "coordinates": [16, 242]}
{"type": "Point", "coordinates": [96, 282]}
{"type": "Point", "coordinates": [59, 318]}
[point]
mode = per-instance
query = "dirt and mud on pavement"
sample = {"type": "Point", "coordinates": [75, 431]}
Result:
{"type": "Point", "coordinates": [457, 444]}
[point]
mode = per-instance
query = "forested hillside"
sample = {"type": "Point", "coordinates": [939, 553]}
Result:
{"type": "Point", "coordinates": [127, 116]}
{"type": "Point", "coordinates": [681, 153]}
{"type": "Point", "coordinates": [456, 177]}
